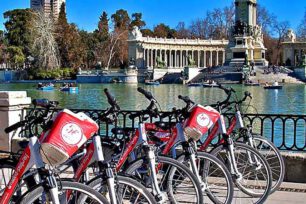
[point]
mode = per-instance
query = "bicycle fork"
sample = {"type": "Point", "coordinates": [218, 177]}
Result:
{"type": "Point", "coordinates": [150, 154]}
{"type": "Point", "coordinates": [190, 154]}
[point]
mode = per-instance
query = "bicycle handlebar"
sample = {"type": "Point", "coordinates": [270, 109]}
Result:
{"type": "Point", "coordinates": [186, 99]}
{"type": "Point", "coordinates": [111, 100]}
{"type": "Point", "coordinates": [147, 94]}
{"type": "Point", "coordinates": [15, 126]}
{"type": "Point", "coordinates": [45, 103]}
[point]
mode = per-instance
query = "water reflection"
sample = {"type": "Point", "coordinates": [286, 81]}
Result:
{"type": "Point", "coordinates": [290, 100]}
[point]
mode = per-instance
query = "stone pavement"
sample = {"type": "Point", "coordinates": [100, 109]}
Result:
{"type": "Point", "coordinates": [283, 197]}
{"type": "Point", "coordinates": [294, 193]}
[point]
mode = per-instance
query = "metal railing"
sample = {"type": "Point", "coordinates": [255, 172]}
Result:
{"type": "Point", "coordinates": [287, 132]}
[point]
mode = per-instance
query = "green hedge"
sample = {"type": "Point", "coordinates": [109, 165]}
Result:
{"type": "Point", "coordinates": [61, 73]}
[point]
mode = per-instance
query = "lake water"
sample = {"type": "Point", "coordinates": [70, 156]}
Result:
{"type": "Point", "coordinates": [290, 100]}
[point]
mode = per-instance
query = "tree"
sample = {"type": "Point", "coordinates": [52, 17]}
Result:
{"type": "Point", "coordinates": [15, 56]}
{"type": "Point", "coordinates": [265, 19]}
{"type": "Point", "coordinates": [182, 31]}
{"type": "Point", "coordinates": [103, 28]}
{"type": "Point", "coordinates": [121, 19]}
{"type": "Point", "coordinates": [164, 31]}
{"type": "Point", "coordinates": [301, 32]}
{"type": "Point", "coordinates": [71, 49]}
{"type": "Point", "coordinates": [44, 47]}
{"type": "Point", "coordinates": [147, 33]}
{"type": "Point", "coordinates": [280, 30]}
{"type": "Point", "coordinates": [137, 20]}
{"type": "Point", "coordinates": [90, 43]}
{"type": "Point", "coordinates": [18, 26]}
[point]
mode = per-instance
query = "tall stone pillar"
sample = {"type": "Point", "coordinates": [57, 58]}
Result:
{"type": "Point", "coordinates": [152, 65]}
{"type": "Point", "coordinates": [12, 104]}
{"type": "Point", "coordinates": [217, 57]}
{"type": "Point", "coordinates": [199, 59]}
{"type": "Point", "coordinates": [223, 57]}
{"type": "Point", "coordinates": [175, 59]}
{"type": "Point", "coordinates": [205, 65]}
{"type": "Point", "coordinates": [210, 58]}
{"type": "Point", "coordinates": [181, 58]}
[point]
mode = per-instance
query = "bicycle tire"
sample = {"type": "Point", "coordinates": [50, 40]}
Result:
{"type": "Point", "coordinates": [129, 182]}
{"type": "Point", "coordinates": [261, 197]}
{"type": "Point", "coordinates": [212, 192]}
{"type": "Point", "coordinates": [278, 172]}
{"type": "Point", "coordinates": [38, 191]}
{"type": "Point", "coordinates": [170, 176]}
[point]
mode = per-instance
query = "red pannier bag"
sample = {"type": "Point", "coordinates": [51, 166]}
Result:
{"type": "Point", "coordinates": [200, 120]}
{"type": "Point", "coordinates": [68, 133]}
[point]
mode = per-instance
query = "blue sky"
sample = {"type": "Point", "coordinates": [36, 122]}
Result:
{"type": "Point", "coordinates": [85, 13]}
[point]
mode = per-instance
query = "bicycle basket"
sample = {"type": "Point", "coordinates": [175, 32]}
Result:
{"type": "Point", "coordinates": [68, 133]}
{"type": "Point", "coordinates": [200, 120]}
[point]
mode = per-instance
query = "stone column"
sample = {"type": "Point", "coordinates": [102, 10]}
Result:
{"type": "Point", "coordinates": [152, 65]}
{"type": "Point", "coordinates": [205, 65]}
{"type": "Point", "coordinates": [12, 104]}
{"type": "Point", "coordinates": [199, 59]}
{"type": "Point", "coordinates": [223, 57]}
{"type": "Point", "coordinates": [181, 60]}
{"type": "Point", "coordinates": [175, 59]}
{"type": "Point", "coordinates": [217, 57]}
{"type": "Point", "coordinates": [210, 58]}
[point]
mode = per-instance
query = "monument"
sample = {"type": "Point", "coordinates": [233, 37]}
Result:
{"type": "Point", "coordinates": [246, 40]}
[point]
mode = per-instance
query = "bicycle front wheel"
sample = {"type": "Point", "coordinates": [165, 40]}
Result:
{"type": "Point", "coordinates": [127, 190]}
{"type": "Point", "coordinates": [78, 193]}
{"type": "Point", "coordinates": [256, 179]}
{"type": "Point", "coordinates": [174, 179]}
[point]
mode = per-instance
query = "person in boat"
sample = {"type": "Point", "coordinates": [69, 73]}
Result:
{"type": "Point", "coordinates": [275, 83]}
{"type": "Point", "coordinates": [39, 85]}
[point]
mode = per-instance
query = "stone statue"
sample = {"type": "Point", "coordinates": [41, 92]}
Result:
{"type": "Point", "coordinates": [132, 62]}
{"type": "Point", "coordinates": [290, 36]}
{"type": "Point", "coordinates": [160, 63]}
{"type": "Point", "coordinates": [135, 34]}
{"type": "Point", "coordinates": [304, 61]}
{"type": "Point", "coordinates": [191, 62]}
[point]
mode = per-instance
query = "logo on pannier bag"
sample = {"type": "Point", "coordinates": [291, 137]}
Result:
{"type": "Point", "coordinates": [203, 120]}
{"type": "Point", "coordinates": [71, 133]}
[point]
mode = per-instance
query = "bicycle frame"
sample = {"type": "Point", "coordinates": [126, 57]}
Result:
{"type": "Point", "coordinates": [29, 158]}
{"type": "Point", "coordinates": [94, 153]}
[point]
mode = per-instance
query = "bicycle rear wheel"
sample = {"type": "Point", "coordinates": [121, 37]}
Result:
{"type": "Point", "coordinates": [256, 182]}
{"type": "Point", "coordinates": [273, 157]}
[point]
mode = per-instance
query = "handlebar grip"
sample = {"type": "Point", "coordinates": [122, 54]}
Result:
{"type": "Point", "coordinates": [111, 100]}
{"type": "Point", "coordinates": [247, 94]}
{"type": "Point", "coordinates": [147, 94]}
{"type": "Point", "coordinates": [45, 103]}
{"type": "Point", "coordinates": [186, 99]}
{"type": "Point", "coordinates": [14, 127]}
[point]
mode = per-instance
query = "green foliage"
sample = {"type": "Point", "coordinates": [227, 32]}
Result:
{"type": "Point", "coordinates": [62, 73]}
{"type": "Point", "coordinates": [18, 27]}
{"type": "Point", "coordinates": [102, 32]}
{"type": "Point", "coordinates": [121, 19]}
{"type": "Point", "coordinates": [70, 45]}
{"type": "Point", "coordinates": [137, 20]}
{"type": "Point", "coordinates": [164, 31]}
{"type": "Point", "coordinates": [16, 56]}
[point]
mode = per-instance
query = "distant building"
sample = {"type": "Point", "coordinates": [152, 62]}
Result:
{"type": "Point", "coordinates": [48, 6]}
{"type": "Point", "coordinates": [293, 50]}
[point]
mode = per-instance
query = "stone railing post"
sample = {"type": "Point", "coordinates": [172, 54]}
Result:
{"type": "Point", "coordinates": [12, 104]}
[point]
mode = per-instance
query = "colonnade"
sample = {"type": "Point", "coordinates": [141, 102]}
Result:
{"type": "Point", "coordinates": [179, 58]}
